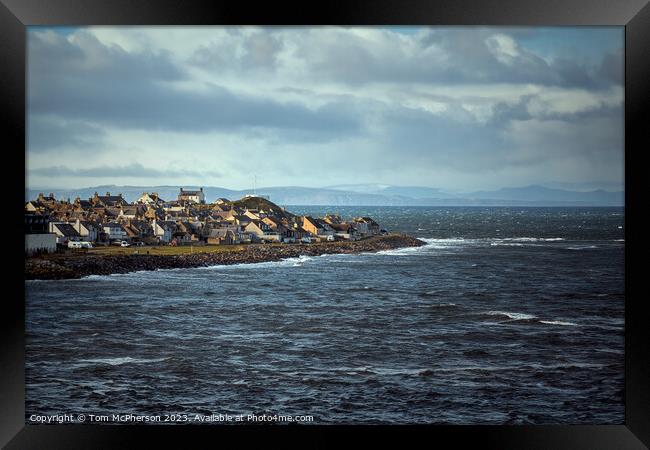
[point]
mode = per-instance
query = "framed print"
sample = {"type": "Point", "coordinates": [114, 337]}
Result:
{"type": "Point", "coordinates": [355, 218]}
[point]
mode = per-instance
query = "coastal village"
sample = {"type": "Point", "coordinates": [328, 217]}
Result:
{"type": "Point", "coordinates": [105, 220]}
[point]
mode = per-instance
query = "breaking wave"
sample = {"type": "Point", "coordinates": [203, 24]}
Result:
{"type": "Point", "coordinates": [558, 322]}
{"type": "Point", "coordinates": [511, 315]}
{"type": "Point", "coordinates": [118, 361]}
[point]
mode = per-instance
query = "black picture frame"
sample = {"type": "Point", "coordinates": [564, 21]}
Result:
{"type": "Point", "coordinates": [16, 15]}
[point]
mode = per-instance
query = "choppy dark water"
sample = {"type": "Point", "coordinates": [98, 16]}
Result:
{"type": "Point", "coordinates": [507, 315]}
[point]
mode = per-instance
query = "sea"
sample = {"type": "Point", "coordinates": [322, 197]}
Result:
{"type": "Point", "coordinates": [508, 315]}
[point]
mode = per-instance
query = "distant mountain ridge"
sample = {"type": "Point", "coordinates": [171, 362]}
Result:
{"type": "Point", "coordinates": [368, 195]}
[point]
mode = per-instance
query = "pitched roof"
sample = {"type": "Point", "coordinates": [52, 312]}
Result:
{"type": "Point", "coordinates": [112, 211]}
{"type": "Point", "coordinates": [166, 225]}
{"type": "Point", "coordinates": [84, 204]}
{"type": "Point", "coordinates": [131, 209]}
{"type": "Point", "coordinates": [67, 230]}
{"type": "Point", "coordinates": [111, 200]}
{"type": "Point", "coordinates": [89, 225]}
{"type": "Point", "coordinates": [184, 192]}
{"type": "Point", "coordinates": [113, 225]}
{"type": "Point", "coordinates": [341, 226]}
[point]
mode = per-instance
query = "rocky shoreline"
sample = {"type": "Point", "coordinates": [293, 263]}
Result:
{"type": "Point", "coordinates": [55, 267]}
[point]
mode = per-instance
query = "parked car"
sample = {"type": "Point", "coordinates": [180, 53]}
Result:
{"type": "Point", "coordinates": [305, 240]}
{"type": "Point", "coordinates": [138, 244]}
{"type": "Point", "coordinates": [125, 244]}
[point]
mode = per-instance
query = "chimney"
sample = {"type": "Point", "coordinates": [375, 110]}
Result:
{"type": "Point", "coordinates": [181, 189]}
{"type": "Point", "coordinates": [201, 189]}
{"type": "Point", "coordinates": [108, 194]}
{"type": "Point", "coordinates": [51, 195]}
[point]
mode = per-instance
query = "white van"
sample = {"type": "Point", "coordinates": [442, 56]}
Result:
{"type": "Point", "coordinates": [79, 244]}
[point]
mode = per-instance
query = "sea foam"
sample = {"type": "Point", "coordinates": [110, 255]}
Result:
{"type": "Point", "coordinates": [558, 322]}
{"type": "Point", "coordinates": [512, 315]}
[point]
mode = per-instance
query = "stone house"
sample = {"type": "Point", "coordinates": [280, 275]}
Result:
{"type": "Point", "coordinates": [108, 200]}
{"type": "Point", "coordinates": [186, 196]}
{"type": "Point", "coordinates": [222, 236]}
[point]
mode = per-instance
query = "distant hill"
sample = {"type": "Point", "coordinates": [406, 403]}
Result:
{"type": "Point", "coordinates": [368, 195]}
{"type": "Point", "coordinates": [399, 191]}
{"type": "Point", "coordinates": [536, 193]}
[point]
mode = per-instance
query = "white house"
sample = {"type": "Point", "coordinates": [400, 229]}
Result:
{"type": "Point", "coordinates": [115, 231]}
{"type": "Point", "coordinates": [164, 231]}
{"type": "Point", "coordinates": [191, 196]}
{"type": "Point", "coordinates": [64, 232]}
{"type": "Point", "coordinates": [88, 231]}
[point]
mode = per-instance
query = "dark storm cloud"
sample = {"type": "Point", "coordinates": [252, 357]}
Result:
{"type": "Point", "coordinates": [612, 67]}
{"type": "Point", "coordinates": [158, 107]}
{"type": "Point", "coordinates": [503, 112]}
{"type": "Point", "coordinates": [44, 134]}
{"type": "Point", "coordinates": [51, 55]}
{"type": "Point", "coordinates": [131, 170]}
{"type": "Point", "coordinates": [138, 97]}
{"type": "Point", "coordinates": [451, 56]}
{"type": "Point", "coordinates": [456, 140]}
{"type": "Point", "coordinates": [429, 140]}
{"type": "Point", "coordinates": [506, 106]}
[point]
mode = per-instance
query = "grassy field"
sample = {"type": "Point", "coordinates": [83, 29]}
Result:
{"type": "Point", "coordinates": [164, 250]}
{"type": "Point", "coordinates": [169, 250]}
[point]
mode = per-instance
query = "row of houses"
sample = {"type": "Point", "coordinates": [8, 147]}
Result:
{"type": "Point", "coordinates": [106, 219]}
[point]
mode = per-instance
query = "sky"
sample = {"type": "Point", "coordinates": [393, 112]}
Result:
{"type": "Point", "coordinates": [456, 108]}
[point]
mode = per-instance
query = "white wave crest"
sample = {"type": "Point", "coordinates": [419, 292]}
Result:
{"type": "Point", "coordinates": [530, 239]}
{"type": "Point", "coordinates": [121, 360]}
{"type": "Point", "coordinates": [512, 315]}
{"type": "Point", "coordinates": [559, 322]}
{"type": "Point", "coordinates": [287, 262]}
